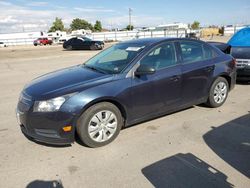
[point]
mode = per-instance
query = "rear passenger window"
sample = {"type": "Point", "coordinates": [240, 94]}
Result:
{"type": "Point", "coordinates": [191, 51]}
{"type": "Point", "coordinates": [208, 53]}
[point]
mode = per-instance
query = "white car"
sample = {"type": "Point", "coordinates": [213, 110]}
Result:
{"type": "Point", "coordinates": [2, 45]}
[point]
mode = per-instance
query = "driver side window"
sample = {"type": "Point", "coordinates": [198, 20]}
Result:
{"type": "Point", "coordinates": [160, 57]}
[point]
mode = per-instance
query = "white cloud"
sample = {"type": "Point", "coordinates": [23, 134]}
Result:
{"type": "Point", "coordinates": [16, 18]}
{"type": "Point", "coordinates": [38, 3]}
{"type": "Point", "coordinates": [93, 10]}
{"type": "Point", "coordinates": [137, 21]}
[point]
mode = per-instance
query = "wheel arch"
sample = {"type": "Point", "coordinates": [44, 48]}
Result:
{"type": "Point", "coordinates": [227, 77]}
{"type": "Point", "coordinates": [111, 100]}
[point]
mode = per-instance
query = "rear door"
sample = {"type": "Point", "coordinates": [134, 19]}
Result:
{"type": "Point", "coordinates": [197, 70]}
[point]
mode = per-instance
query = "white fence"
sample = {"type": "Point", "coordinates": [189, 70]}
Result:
{"type": "Point", "coordinates": [228, 31]}
{"type": "Point", "coordinates": [19, 39]}
{"type": "Point", "coordinates": [127, 35]}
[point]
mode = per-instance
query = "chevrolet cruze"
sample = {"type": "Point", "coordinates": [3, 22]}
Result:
{"type": "Point", "coordinates": [128, 83]}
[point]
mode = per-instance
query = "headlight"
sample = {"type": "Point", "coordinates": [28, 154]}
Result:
{"type": "Point", "coordinates": [50, 105]}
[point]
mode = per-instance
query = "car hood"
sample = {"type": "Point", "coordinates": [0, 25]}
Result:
{"type": "Point", "coordinates": [65, 81]}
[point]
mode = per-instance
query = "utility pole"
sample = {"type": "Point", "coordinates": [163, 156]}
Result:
{"type": "Point", "coordinates": [129, 12]}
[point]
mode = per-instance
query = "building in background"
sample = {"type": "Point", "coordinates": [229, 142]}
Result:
{"type": "Point", "coordinates": [172, 26]}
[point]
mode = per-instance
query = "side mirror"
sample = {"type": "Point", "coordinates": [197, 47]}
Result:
{"type": "Point", "coordinates": [144, 70]}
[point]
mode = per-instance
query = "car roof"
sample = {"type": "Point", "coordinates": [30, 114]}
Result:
{"type": "Point", "coordinates": [152, 41]}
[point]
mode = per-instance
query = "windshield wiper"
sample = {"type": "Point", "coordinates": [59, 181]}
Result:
{"type": "Point", "coordinates": [95, 69]}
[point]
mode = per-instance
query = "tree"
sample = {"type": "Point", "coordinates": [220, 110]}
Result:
{"type": "Point", "coordinates": [195, 25]}
{"type": "Point", "coordinates": [98, 26]}
{"type": "Point", "coordinates": [130, 27]}
{"type": "Point", "coordinates": [78, 23]}
{"type": "Point", "coordinates": [221, 30]}
{"type": "Point", "coordinates": [57, 25]}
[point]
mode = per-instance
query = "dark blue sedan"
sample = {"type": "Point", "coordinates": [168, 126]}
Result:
{"type": "Point", "coordinates": [125, 84]}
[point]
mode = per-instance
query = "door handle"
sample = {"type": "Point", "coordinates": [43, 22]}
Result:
{"type": "Point", "coordinates": [175, 78]}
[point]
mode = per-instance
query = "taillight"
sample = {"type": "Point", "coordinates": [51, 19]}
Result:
{"type": "Point", "coordinates": [234, 62]}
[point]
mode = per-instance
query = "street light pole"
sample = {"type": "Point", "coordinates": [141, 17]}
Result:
{"type": "Point", "coordinates": [130, 12]}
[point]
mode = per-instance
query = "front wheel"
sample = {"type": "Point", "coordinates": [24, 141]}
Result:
{"type": "Point", "coordinates": [218, 92]}
{"type": "Point", "coordinates": [100, 124]}
{"type": "Point", "coordinates": [93, 47]}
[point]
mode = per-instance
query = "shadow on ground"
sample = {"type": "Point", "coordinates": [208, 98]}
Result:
{"type": "Point", "coordinates": [45, 184]}
{"type": "Point", "coordinates": [185, 171]}
{"type": "Point", "coordinates": [231, 142]}
{"type": "Point", "coordinates": [243, 82]}
{"type": "Point", "coordinates": [46, 144]}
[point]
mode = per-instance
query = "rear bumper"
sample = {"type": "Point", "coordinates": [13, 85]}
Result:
{"type": "Point", "coordinates": [233, 76]}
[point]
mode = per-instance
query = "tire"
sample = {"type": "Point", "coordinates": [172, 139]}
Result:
{"type": "Point", "coordinates": [93, 47]}
{"type": "Point", "coordinates": [35, 44]}
{"type": "Point", "coordinates": [102, 46]}
{"type": "Point", "coordinates": [218, 93]}
{"type": "Point", "coordinates": [69, 47]}
{"type": "Point", "coordinates": [92, 128]}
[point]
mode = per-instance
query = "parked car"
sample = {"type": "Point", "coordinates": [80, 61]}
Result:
{"type": "Point", "coordinates": [83, 43]}
{"type": "Point", "coordinates": [2, 45]}
{"type": "Point", "coordinates": [226, 48]}
{"type": "Point", "coordinates": [125, 84]}
{"type": "Point", "coordinates": [239, 47]}
{"type": "Point", "coordinates": [192, 36]}
{"type": "Point", "coordinates": [42, 41]}
{"type": "Point", "coordinates": [240, 50]}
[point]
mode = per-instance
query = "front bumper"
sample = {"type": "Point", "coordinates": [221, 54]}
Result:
{"type": "Point", "coordinates": [243, 74]}
{"type": "Point", "coordinates": [45, 127]}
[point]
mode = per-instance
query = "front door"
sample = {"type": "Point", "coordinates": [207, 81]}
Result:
{"type": "Point", "coordinates": [161, 91]}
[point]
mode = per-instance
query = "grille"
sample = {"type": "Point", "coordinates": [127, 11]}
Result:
{"type": "Point", "coordinates": [241, 63]}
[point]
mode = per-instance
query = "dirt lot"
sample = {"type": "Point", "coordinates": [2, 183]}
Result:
{"type": "Point", "coordinates": [196, 147]}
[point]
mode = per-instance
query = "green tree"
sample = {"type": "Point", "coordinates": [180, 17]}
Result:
{"type": "Point", "coordinates": [78, 23]}
{"type": "Point", "coordinates": [98, 26]}
{"type": "Point", "coordinates": [130, 27]}
{"type": "Point", "coordinates": [195, 25]}
{"type": "Point", "coordinates": [57, 25]}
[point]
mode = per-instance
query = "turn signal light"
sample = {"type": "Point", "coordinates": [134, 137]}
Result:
{"type": "Point", "coordinates": [67, 128]}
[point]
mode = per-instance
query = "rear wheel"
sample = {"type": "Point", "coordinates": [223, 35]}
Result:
{"type": "Point", "coordinates": [100, 124]}
{"type": "Point", "coordinates": [218, 92]}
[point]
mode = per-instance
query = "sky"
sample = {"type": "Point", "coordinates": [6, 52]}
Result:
{"type": "Point", "coordinates": [28, 15]}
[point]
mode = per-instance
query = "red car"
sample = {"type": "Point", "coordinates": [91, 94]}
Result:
{"type": "Point", "coordinates": [42, 41]}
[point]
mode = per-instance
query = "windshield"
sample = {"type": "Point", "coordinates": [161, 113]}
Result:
{"type": "Point", "coordinates": [85, 38]}
{"type": "Point", "coordinates": [114, 59]}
